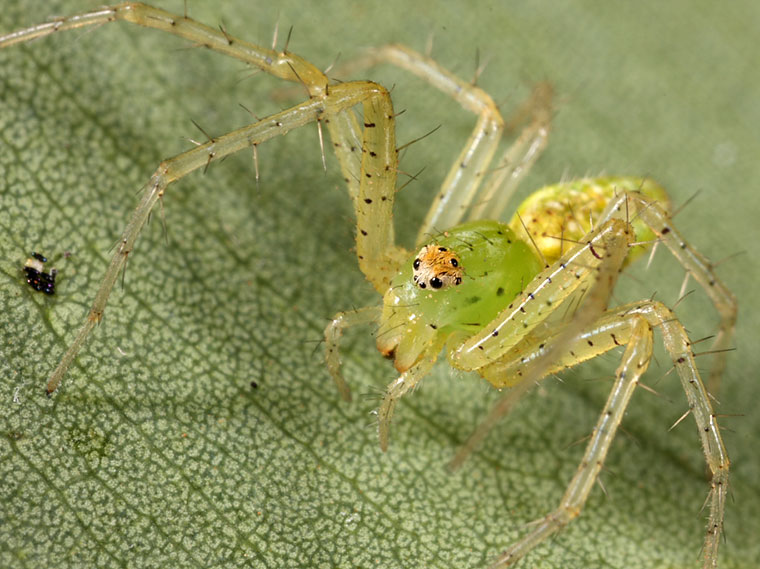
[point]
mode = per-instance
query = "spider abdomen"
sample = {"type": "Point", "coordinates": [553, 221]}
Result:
{"type": "Point", "coordinates": [558, 216]}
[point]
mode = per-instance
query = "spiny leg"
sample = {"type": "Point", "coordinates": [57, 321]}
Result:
{"type": "Point", "coordinates": [495, 196]}
{"type": "Point", "coordinates": [695, 264]}
{"type": "Point", "coordinates": [333, 333]}
{"type": "Point", "coordinates": [341, 97]}
{"type": "Point", "coordinates": [678, 345]}
{"type": "Point", "coordinates": [636, 200]}
{"type": "Point", "coordinates": [641, 202]}
{"type": "Point", "coordinates": [462, 181]}
{"type": "Point", "coordinates": [460, 187]}
{"type": "Point", "coordinates": [280, 64]}
{"type": "Point", "coordinates": [634, 363]}
{"type": "Point", "coordinates": [344, 129]}
{"type": "Point", "coordinates": [378, 257]}
{"type": "Point", "coordinates": [629, 325]}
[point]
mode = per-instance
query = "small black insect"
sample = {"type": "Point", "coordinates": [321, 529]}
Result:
{"type": "Point", "coordinates": [36, 276]}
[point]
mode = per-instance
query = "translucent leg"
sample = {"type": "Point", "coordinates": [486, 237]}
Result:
{"type": "Point", "coordinates": [460, 187]}
{"type": "Point", "coordinates": [333, 333]}
{"type": "Point", "coordinates": [629, 325]}
{"type": "Point", "coordinates": [344, 130]}
{"type": "Point", "coordinates": [634, 363]}
{"type": "Point", "coordinates": [405, 383]}
{"type": "Point", "coordinates": [372, 189]}
{"type": "Point", "coordinates": [173, 169]}
{"type": "Point", "coordinates": [696, 264]}
{"type": "Point", "coordinates": [493, 200]}
{"type": "Point", "coordinates": [378, 256]}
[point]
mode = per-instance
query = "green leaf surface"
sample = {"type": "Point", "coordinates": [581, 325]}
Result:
{"type": "Point", "coordinates": [158, 451]}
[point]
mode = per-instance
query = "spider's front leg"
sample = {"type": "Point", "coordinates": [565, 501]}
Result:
{"type": "Point", "coordinates": [372, 188]}
{"type": "Point", "coordinates": [463, 192]}
{"type": "Point", "coordinates": [342, 97]}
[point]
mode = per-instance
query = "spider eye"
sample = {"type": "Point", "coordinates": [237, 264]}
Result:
{"type": "Point", "coordinates": [416, 264]}
{"type": "Point", "coordinates": [442, 249]}
{"type": "Point", "coordinates": [435, 282]}
{"type": "Point", "coordinates": [454, 263]}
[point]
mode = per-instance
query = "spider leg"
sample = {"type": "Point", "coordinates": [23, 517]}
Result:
{"type": "Point", "coordinates": [405, 383]}
{"type": "Point", "coordinates": [333, 333]}
{"type": "Point", "coordinates": [494, 197]}
{"type": "Point", "coordinates": [344, 129]}
{"type": "Point", "coordinates": [634, 363]}
{"type": "Point", "coordinates": [460, 187]}
{"type": "Point", "coordinates": [173, 169]}
{"type": "Point", "coordinates": [697, 265]}
{"type": "Point", "coordinates": [631, 325]}
{"type": "Point", "coordinates": [372, 188]}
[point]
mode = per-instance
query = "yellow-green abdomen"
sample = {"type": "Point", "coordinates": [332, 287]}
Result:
{"type": "Point", "coordinates": [558, 216]}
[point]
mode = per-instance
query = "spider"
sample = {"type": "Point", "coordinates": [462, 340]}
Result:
{"type": "Point", "coordinates": [514, 302]}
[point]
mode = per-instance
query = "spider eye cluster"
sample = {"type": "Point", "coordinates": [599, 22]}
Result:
{"type": "Point", "coordinates": [436, 267]}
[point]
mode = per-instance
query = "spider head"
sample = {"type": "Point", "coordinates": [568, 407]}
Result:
{"type": "Point", "coordinates": [436, 267]}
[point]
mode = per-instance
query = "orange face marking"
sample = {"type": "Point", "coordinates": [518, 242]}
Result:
{"type": "Point", "coordinates": [436, 267]}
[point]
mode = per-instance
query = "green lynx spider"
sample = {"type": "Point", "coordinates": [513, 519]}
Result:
{"type": "Point", "coordinates": [514, 302]}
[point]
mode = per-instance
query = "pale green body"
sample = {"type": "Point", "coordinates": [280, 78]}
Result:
{"type": "Point", "coordinates": [499, 260]}
{"type": "Point", "coordinates": [497, 265]}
